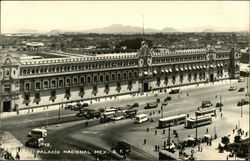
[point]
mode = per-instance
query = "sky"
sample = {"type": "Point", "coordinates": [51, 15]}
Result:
{"type": "Point", "coordinates": [80, 15]}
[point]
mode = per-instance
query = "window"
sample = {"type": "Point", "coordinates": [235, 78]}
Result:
{"type": "Point", "coordinates": [130, 75]}
{"type": "Point", "coordinates": [181, 78]}
{"type": "Point", "coordinates": [88, 79]}
{"type": "Point", "coordinates": [124, 75]}
{"type": "Point", "coordinates": [45, 84]}
{"type": "Point", "coordinates": [113, 77]}
{"type": "Point", "coordinates": [82, 80]}
{"type": "Point", "coordinates": [135, 73]}
{"type": "Point", "coordinates": [60, 83]}
{"type": "Point", "coordinates": [119, 76]}
{"type": "Point", "coordinates": [189, 77]}
{"type": "Point", "coordinates": [68, 81]}
{"type": "Point", "coordinates": [166, 80]}
{"type": "Point", "coordinates": [95, 79]}
{"type": "Point", "coordinates": [101, 78]}
{"type": "Point", "coordinates": [75, 81]}
{"type": "Point", "coordinates": [107, 78]}
{"type": "Point", "coordinates": [53, 93]}
{"type": "Point", "coordinates": [38, 85]}
{"type": "Point", "coordinates": [27, 86]}
{"type": "Point", "coordinates": [7, 88]}
{"type": "Point", "coordinates": [53, 83]}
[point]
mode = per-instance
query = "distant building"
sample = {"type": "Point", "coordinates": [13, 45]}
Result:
{"type": "Point", "coordinates": [33, 83]}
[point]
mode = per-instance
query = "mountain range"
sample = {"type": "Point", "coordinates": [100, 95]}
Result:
{"type": "Point", "coordinates": [127, 29]}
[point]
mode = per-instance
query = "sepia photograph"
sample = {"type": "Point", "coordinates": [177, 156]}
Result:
{"type": "Point", "coordinates": [124, 80]}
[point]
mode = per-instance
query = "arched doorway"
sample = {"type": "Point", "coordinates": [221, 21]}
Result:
{"type": "Point", "coordinates": [145, 87]}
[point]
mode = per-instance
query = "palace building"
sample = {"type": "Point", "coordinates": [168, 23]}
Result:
{"type": "Point", "coordinates": [28, 82]}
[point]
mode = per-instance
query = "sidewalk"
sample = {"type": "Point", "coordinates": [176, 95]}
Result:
{"type": "Point", "coordinates": [211, 152]}
{"type": "Point", "coordinates": [121, 97]}
{"type": "Point", "coordinates": [12, 145]}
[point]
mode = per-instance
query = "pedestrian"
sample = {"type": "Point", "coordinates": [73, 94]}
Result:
{"type": "Point", "coordinates": [158, 148]}
{"type": "Point", "coordinates": [155, 147]}
{"type": "Point", "coordinates": [159, 111]}
{"type": "Point", "coordinates": [153, 112]}
{"type": "Point", "coordinates": [147, 129]}
{"type": "Point", "coordinates": [227, 157]}
{"type": "Point", "coordinates": [86, 123]}
{"type": "Point", "coordinates": [17, 156]}
{"type": "Point", "coordinates": [215, 96]}
{"type": "Point", "coordinates": [163, 132]}
{"type": "Point", "coordinates": [221, 115]}
{"type": "Point", "coordinates": [201, 148]}
{"type": "Point", "coordinates": [233, 131]}
{"type": "Point", "coordinates": [150, 114]}
{"type": "Point", "coordinates": [236, 126]}
{"type": "Point", "coordinates": [145, 141]}
{"type": "Point", "coordinates": [246, 133]}
{"type": "Point", "coordinates": [220, 109]}
{"type": "Point", "coordinates": [19, 149]}
{"type": "Point", "coordinates": [207, 130]}
{"type": "Point", "coordinates": [164, 144]}
{"type": "Point", "coordinates": [155, 132]}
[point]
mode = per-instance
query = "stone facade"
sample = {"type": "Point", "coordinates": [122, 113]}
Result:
{"type": "Point", "coordinates": [41, 82]}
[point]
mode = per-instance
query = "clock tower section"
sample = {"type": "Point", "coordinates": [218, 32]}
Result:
{"type": "Point", "coordinates": [145, 67]}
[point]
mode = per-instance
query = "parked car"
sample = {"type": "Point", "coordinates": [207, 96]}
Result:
{"type": "Point", "coordinates": [168, 98]}
{"type": "Point", "coordinates": [85, 105]}
{"type": "Point", "coordinates": [241, 90]}
{"type": "Point", "coordinates": [122, 148]}
{"type": "Point", "coordinates": [80, 114]}
{"type": "Point", "coordinates": [135, 105]}
{"type": "Point", "coordinates": [219, 104]}
{"type": "Point", "coordinates": [131, 113]}
{"type": "Point", "coordinates": [35, 142]}
{"type": "Point", "coordinates": [93, 114]}
{"type": "Point", "coordinates": [118, 116]}
{"type": "Point", "coordinates": [174, 91]}
{"type": "Point", "coordinates": [151, 105]}
{"type": "Point", "coordinates": [232, 88]}
{"type": "Point", "coordinates": [242, 102]}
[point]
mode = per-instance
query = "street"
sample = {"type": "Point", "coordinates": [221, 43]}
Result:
{"type": "Point", "coordinates": [72, 140]}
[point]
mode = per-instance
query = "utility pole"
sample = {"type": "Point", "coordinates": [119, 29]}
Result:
{"type": "Point", "coordinates": [169, 136]}
{"type": "Point", "coordinates": [241, 114]}
{"type": "Point", "coordinates": [196, 130]}
{"type": "Point", "coordinates": [59, 112]}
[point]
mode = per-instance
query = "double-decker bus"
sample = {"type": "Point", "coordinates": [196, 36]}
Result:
{"type": "Point", "coordinates": [199, 121]}
{"type": "Point", "coordinates": [172, 121]}
{"type": "Point", "coordinates": [206, 112]}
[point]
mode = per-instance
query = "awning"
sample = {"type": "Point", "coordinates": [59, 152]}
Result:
{"type": "Point", "coordinates": [204, 66]}
{"type": "Point", "coordinates": [145, 73]}
{"type": "Point", "coordinates": [181, 69]}
{"type": "Point", "coordinates": [186, 68]}
{"type": "Point", "coordinates": [155, 72]}
{"type": "Point", "coordinates": [162, 70]}
{"type": "Point", "coordinates": [170, 70]}
{"type": "Point", "coordinates": [177, 69]}
{"type": "Point", "coordinates": [194, 67]}
{"type": "Point", "coordinates": [190, 68]}
{"type": "Point", "coordinates": [211, 66]}
{"type": "Point", "coordinates": [197, 67]}
{"type": "Point", "coordinates": [166, 70]}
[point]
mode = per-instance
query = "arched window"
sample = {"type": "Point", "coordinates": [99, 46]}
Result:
{"type": "Point", "coordinates": [24, 71]}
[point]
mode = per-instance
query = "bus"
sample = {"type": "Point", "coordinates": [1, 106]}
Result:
{"type": "Point", "coordinates": [38, 133]}
{"type": "Point", "coordinates": [172, 121]}
{"type": "Point", "coordinates": [199, 121]}
{"type": "Point", "coordinates": [111, 110]}
{"type": "Point", "coordinates": [141, 118]}
{"type": "Point", "coordinates": [206, 112]}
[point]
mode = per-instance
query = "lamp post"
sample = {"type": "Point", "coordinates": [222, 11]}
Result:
{"type": "Point", "coordinates": [196, 129]}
